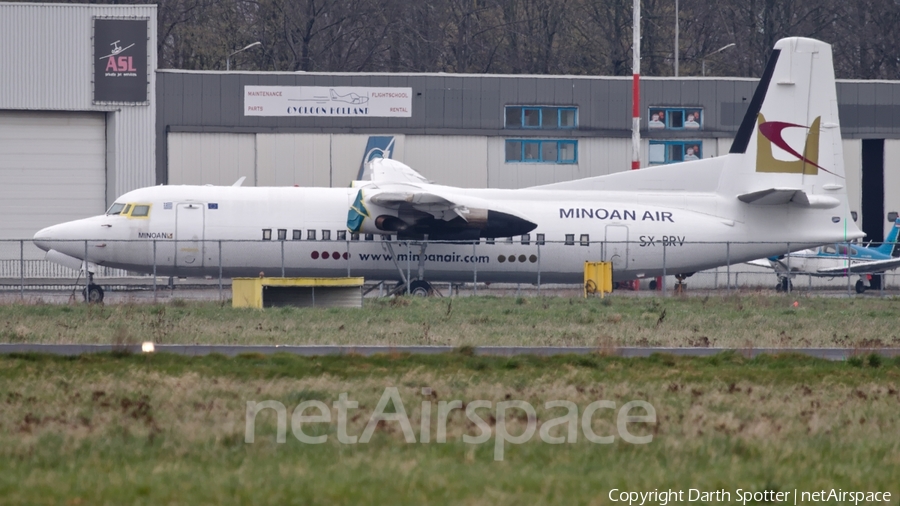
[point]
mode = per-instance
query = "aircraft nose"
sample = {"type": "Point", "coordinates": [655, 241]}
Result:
{"type": "Point", "coordinates": [60, 236]}
{"type": "Point", "coordinates": [43, 237]}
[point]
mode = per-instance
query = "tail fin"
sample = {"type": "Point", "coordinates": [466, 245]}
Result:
{"type": "Point", "coordinates": [378, 146]}
{"type": "Point", "coordinates": [889, 245]}
{"type": "Point", "coordinates": [791, 135]}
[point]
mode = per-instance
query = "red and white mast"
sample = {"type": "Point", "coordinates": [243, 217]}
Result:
{"type": "Point", "coordinates": [636, 89]}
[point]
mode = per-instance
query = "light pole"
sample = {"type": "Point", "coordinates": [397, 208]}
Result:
{"type": "Point", "coordinates": [676, 38]}
{"type": "Point", "coordinates": [703, 59]}
{"type": "Point", "coordinates": [228, 58]}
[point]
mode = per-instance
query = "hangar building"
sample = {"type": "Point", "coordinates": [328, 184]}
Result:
{"type": "Point", "coordinates": [489, 130]}
{"type": "Point", "coordinates": [77, 110]}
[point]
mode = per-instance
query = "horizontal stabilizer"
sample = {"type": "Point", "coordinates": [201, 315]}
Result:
{"type": "Point", "coordinates": [762, 262]}
{"type": "Point", "coordinates": [386, 170]}
{"type": "Point", "coordinates": [780, 196]}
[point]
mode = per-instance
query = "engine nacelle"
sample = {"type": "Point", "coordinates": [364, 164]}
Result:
{"type": "Point", "coordinates": [414, 216]}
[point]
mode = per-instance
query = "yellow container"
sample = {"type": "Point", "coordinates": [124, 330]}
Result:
{"type": "Point", "coordinates": [597, 278]}
{"type": "Point", "coordinates": [296, 292]}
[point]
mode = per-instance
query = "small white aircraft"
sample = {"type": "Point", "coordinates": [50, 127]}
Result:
{"type": "Point", "coordinates": [837, 260]}
{"type": "Point", "coordinates": [782, 182]}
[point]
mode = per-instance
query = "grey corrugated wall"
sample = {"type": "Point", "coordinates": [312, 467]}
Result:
{"type": "Point", "coordinates": [46, 53]}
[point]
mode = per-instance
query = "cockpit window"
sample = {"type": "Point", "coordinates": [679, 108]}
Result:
{"type": "Point", "coordinates": [140, 210]}
{"type": "Point", "coordinates": [126, 209]}
{"type": "Point", "coordinates": [115, 208]}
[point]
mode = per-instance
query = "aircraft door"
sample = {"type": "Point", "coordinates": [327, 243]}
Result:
{"type": "Point", "coordinates": [189, 235]}
{"type": "Point", "coordinates": [617, 246]}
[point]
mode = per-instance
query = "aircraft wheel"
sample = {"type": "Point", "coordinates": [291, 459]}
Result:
{"type": "Point", "coordinates": [652, 284]}
{"type": "Point", "coordinates": [93, 294]}
{"type": "Point", "coordinates": [784, 285]}
{"type": "Point", "coordinates": [420, 288]}
{"type": "Point", "coordinates": [860, 286]}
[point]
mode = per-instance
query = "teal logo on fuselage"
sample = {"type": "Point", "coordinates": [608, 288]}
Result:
{"type": "Point", "coordinates": [357, 213]}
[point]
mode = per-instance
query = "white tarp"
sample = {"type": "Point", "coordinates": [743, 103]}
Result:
{"type": "Point", "coordinates": [327, 101]}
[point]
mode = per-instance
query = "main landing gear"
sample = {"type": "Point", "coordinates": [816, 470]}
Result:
{"type": "Point", "coordinates": [417, 287]}
{"type": "Point", "coordinates": [874, 282]}
{"type": "Point", "coordinates": [784, 285]}
{"type": "Point", "coordinates": [420, 288]}
{"type": "Point", "coordinates": [680, 285]}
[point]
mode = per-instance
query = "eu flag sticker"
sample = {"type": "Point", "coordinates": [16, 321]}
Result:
{"type": "Point", "coordinates": [213, 206]}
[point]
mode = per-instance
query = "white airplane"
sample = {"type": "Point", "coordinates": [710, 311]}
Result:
{"type": "Point", "coordinates": [782, 182]}
{"type": "Point", "coordinates": [837, 260]}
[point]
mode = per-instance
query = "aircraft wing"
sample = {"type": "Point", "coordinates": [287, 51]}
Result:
{"type": "Point", "coordinates": [411, 197]}
{"type": "Point", "coordinates": [861, 267]}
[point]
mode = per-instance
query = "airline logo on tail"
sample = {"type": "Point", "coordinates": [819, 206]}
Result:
{"type": "Point", "coordinates": [771, 132]}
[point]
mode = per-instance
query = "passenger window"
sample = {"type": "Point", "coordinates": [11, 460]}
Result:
{"type": "Point", "coordinates": [585, 240]}
{"type": "Point", "coordinates": [385, 237]}
{"type": "Point", "coordinates": [310, 235]}
{"type": "Point", "coordinates": [267, 234]}
{"type": "Point", "coordinates": [370, 237]}
{"type": "Point", "coordinates": [298, 234]}
{"type": "Point", "coordinates": [326, 235]}
{"type": "Point", "coordinates": [570, 239]}
{"type": "Point", "coordinates": [489, 240]}
{"type": "Point", "coordinates": [526, 238]}
{"type": "Point", "coordinates": [140, 211]}
{"type": "Point", "coordinates": [342, 235]}
{"type": "Point", "coordinates": [282, 234]}
{"type": "Point", "coordinates": [540, 239]}
{"type": "Point", "coordinates": [509, 240]}
{"type": "Point", "coordinates": [354, 236]}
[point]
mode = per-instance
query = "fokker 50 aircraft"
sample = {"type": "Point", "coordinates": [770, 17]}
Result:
{"type": "Point", "coordinates": [781, 182]}
{"type": "Point", "coordinates": [833, 260]}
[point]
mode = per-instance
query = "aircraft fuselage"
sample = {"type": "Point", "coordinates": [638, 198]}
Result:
{"type": "Point", "coordinates": [204, 231]}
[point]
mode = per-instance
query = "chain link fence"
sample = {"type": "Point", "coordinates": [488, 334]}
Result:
{"type": "Point", "coordinates": [519, 265]}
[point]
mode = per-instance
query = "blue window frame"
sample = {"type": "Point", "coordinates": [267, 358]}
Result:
{"type": "Point", "coordinates": [675, 118]}
{"type": "Point", "coordinates": [663, 152]}
{"type": "Point", "coordinates": [541, 151]}
{"type": "Point", "coordinates": [541, 117]}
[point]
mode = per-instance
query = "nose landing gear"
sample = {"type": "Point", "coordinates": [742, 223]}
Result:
{"type": "Point", "coordinates": [92, 293]}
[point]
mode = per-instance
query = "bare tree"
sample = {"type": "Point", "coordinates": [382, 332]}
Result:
{"type": "Point", "coordinates": [518, 36]}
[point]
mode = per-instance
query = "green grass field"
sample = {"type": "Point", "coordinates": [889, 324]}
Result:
{"type": "Point", "coordinates": [748, 321]}
{"type": "Point", "coordinates": [162, 429]}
